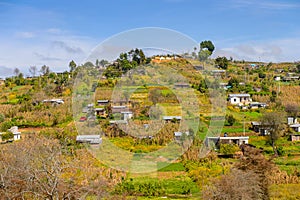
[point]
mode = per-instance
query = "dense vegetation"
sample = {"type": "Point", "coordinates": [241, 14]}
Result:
{"type": "Point", "coordinates": [47, 163]}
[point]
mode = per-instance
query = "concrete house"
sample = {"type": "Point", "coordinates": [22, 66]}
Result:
{"type": "Point", "coordinates": [239, 99]}
{"type": "Point", "coordinates": [170, 118]}
{"type": "Point", "coordinates": [119, 109]}
{"type": "Point", "coordinates": [90, 139]}
{"type": "Point", "coordinates": [53, 101]}
{"type": "Point", "coordinates": [257, 105]}
{"type": "Point", "coordinates": [126, 115]}
{"type": "Point", "coordinates": [179, 134]}
{"type": "Point", "coordinates": [103, 102]}
{"type": "Point", "coordinates": [294, 138]}
{"type": "Point", "coordinates": [295, 127]}
{"type": "Point", "coordinates": [226, 140]}
{"type": "Point", "coordinates": [17, 134]}
{"type": "Point", "coordinates": [292, 120]}
{"type": "Point", "coordinates": [100, 112]}
{"type": "Point", "coordinates": [181, 85]}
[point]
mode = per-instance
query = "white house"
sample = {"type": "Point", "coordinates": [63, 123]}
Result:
{"type": "Point", "coordinates": [91, 139]}
{"type": "Point", "coordinates": [127, 115]}
{"type": "Point", "coordinates": [239, 140]}
{"type": "Point", "coordinates": [53, 101]}
{"type": "Point", "coordinates": [238, 99]}
{"type": "Point", "coordinates": [292, 120]}
{"type": "Point", "coordinates": [178, 134]}
{"type": "Point", "coordinates": [14, 130]}
{"type": "Point", "coordinates": [296, 127]}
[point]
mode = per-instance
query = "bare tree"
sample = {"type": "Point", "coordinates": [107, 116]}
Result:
{"type": "Point", "coordinates": [33, 70]}
{"type": "Point", "coordinates": [292, 110]}
{"type": "Point", "coordinates": [16, 71]}
{"type": "Point", "coordinates": [237, 184]}
{"type": "Point", "coordinates": [273, 122]}
{"type": "Point", "coordinates": [36, 168]}
{"type": "Point", "coordinates": [45, 70]}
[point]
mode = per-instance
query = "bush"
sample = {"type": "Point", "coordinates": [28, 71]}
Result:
{"type": "Point", "coordinates": [230, 120]}
{"type": "Point", "coordinates": [228, 149]}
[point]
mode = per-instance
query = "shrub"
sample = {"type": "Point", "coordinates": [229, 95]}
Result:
{"type": "Point", "coordinates": [230, 120]}
{"type": "Point", "coordinates": [228, 149]}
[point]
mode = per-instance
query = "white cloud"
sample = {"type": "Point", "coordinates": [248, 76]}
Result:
{"type": "Point", "coordinates": [25, 35]}
{"type": "Point", "coordinates": [54, 50]}
{"type": "Point", "coordinates": [261, 4]}
{"type": "Point", "coordinates": [280, 50]}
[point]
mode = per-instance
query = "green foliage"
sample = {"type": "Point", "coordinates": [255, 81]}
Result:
{"type": "Point", "coordinates": [228, 149]}
{"type": "Point", "coordinates": [230, 120]}
{"type": "Point", "coordinates": [222, 62]}
{"type": "Point", "coordinates": [7, 135]}
{"type": "Point", "coordinates": [207, 44]}
{"type": "Point", "coordinates": [2, 117]}
{"type": "Point", "coordinates": [6, 125]}
{"type": "Point", "coordinates": [166, 167]}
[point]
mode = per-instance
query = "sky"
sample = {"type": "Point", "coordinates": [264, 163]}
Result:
{"type": "Point", "coordinates": [52, 32]}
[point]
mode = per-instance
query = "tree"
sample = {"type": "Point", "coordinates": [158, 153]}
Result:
{"type": "Point", "coordinates": [40, 170]}
{"type": "Point", "coordinates": [206, 49]}
{"type": "Point", "coordinates": [207, 44]}
{"type": "Point", "coordinates": [292, 110]}
{"type": "Point", "coordinates": [222, 62]}
{"type": "Point", "coordinates": [45, 70]}
{"type": "Point", "coordinates": [16, 72]}
{"type": "Point", "coordinates": [230, 120]}
{"type": "Point", "coordinates": [72, 66]}
{"type": "Point", "coordinates": [203, 55]}
{"type": "Point", "coordinates": [33, 70]}
{"type": "Point", "coordinates": [273, 123]}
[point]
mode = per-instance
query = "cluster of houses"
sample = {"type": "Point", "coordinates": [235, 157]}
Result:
{"type": "Point", "coordinates": [292, 123]}
{"type": "Point", "coordinates": [290, 76]}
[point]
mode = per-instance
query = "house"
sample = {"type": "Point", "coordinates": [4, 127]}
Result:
{"type": "Point", "coordinates": [256, 105]}
{"type": "Point", "coordinates": [238, 99]}
{"type": "Point", "coordinates": [199, 67]}
{"type": "Point", "coordinates": [120, 103]}
{"type": "Point", "coordinates": [91, 139]}
{"type": "Point", "coordinates": [292, 120]}
{"type": "Point", "coordinates": [239, 140]}
{"type": "Point", "coordinates": [294, 138]}
{"type": "Point", "coordinates": [126, 115]}
{"type": "Point", "coordinates": [17, 134]}
{"type": "Point", "coordinates": [277, 78]}
{"type": "Point", "coordinates": [53, 101]}
{"type": "Point", "coordinates": [295, 127]}
{"type": "Point", "coordinates": [256, 126]}
{"type": "Point", "coordinates": [112, 122]}
{"type": "Point", "coordinates": [102, 102]}
{"type": "Point", "coordinates": [181, 85]}
{"type": "Point", "coordinates": [171, 118]}
{"type": "Point", "coordinates": [100, 112]}
{"type": "Point", "coordinates": [119, 109]}
{"type": "Point", "coordinates": [178, 135]}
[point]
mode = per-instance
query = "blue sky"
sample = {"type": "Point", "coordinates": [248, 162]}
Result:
{"type": "Point", "coordinates": [52, 32]}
